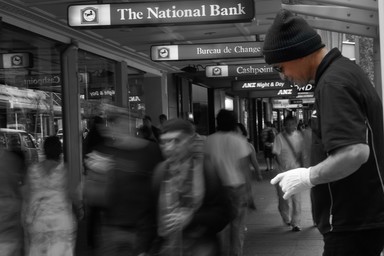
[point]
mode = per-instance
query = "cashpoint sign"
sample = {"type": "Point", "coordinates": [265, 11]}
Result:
{"type": "Point", "coordinates": [239, 70]}
{"type": "Point", "coordinates": [206, 51]}
{"type": "Point", "coordinates": [161, 13]}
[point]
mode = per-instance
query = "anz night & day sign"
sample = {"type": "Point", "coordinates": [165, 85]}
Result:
{"type": "Point", "coordinates": [161, 13]}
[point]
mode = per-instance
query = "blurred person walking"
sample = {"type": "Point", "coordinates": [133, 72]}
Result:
{"type": "Point", "coordinates": [267, 137]}
{"type": "Point", "coordinates": [49, 221]}
{"type": "Point", "coordinates": [12, 170]}
{"type": "Point", "coordinates": [162, 119]}
{"type": "Point", "coordinates": [192, 205]}
{"type": "Point", "coordinates": [154, 132]}
{"type": "Point", "coordinates": [346, 173]}
{"type": "Point", "coordinates": [127, 223]}
{"type": "Point", "coordinates": [92, 213]}
{"type": "Point", "coordinates": [253, 167]}
{"type": "Point", "coordinates": [288, 148]}
{"type": "Point", "coordinates": [229, 152]}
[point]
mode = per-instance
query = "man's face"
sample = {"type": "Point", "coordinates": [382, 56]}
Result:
{"type": "Point", "coordinates": [290, 126]}
{"type": "Point", "coordinates": [175, 144]}
{"type": "Point", "coordinates": [296, 71]}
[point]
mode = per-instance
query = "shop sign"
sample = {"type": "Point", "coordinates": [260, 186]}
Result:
{"type": "Point", "coordinates": [287, 106]}
{"type": "Point", "coordinates": [95, 93]}
{"type": "Point", "coordinates": [36, 81]}
{"type": "Point", "coordinates": [239, 70]}
{"type": "Point", "coordinates": [307, 88]}
{"type": "Point", "coordinates": [206, 51]}
{"type": "Point", "coordinates": [281, 102]}
{"type": "Point", "coordinates": [259, 85]}
{"type": "Point", "coordinates": [15, 60]}
{"type": "Point", "coordinates": [161, 13]}
{"type": "Point", "coordinates": [284, 92]}
{"type": "Point", "coordinates": [294, 101]}
{"type": "Point", "coordinates": [134, 99]}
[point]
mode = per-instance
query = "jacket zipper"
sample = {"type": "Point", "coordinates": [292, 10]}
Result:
{"type": "Point", "coordinates": [369, 130]}
{"type": "Point", "coordinates": [330, 208]}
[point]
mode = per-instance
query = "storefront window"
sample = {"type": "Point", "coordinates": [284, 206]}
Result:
{"type": "Point", "coordinates": [136, 95]}
{"type": "Point", "coordinates": [200, 108]}
{"type": "Point", "coordinates": [30, 87]}
{"type": "Point", "coordinates": [97, 83]}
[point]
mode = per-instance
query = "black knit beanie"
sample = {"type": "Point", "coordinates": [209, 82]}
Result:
{"type": "Point", "coordinates": [290, 37]}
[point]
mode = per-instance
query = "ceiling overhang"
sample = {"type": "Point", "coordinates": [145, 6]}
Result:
{"type": "Point", "coordinates": [358, 19]}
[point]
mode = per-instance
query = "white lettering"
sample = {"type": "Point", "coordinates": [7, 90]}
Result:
{"type": "Point", "coordinates": [216, 10]}
{"type": "Point", "coordinates": [249, 85]}
{"type": "Point", "coordinates": [285, 92]}
{"type": "Point", "coordinates": [253, 70]}
{"type": "Point", "coordinates": [175, 13]}
{"type": "Point", "coordinates": [241, 49]}
{"type": "Point", "coordinates": [208, 51]}
{"type": "Point", "coordinates": [132, 15]}
{"type": "Point", "coordinates": [306, 88]}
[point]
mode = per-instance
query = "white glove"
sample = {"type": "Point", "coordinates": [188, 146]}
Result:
{"type": "Point", "coordinates": [293, 181]}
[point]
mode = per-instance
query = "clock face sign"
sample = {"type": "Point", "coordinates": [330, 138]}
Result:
{"type": "Point", "coordinates": [163, 53]}
{"type": "Point", "coordinates": [17, 60]}
{"type": "Point", "coordinates": [216, 71]}
{"type": "Point", "coordinates": [89, 15]}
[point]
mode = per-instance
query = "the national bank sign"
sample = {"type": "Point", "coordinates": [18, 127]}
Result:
{"type": "Point", "coordinates": [161, 13]}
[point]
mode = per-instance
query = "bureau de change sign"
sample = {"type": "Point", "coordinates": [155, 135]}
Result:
{"type": "Point", "coordinates": [160, 13]}
{"type": "Point", "coordinates": [206, 51]}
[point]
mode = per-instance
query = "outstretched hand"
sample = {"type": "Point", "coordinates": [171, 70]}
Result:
{"type": "Point", "coordinates": [293, 181]}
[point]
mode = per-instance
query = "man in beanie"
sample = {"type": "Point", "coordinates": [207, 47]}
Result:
{"type": "Point", "coordinates": [347, 170]}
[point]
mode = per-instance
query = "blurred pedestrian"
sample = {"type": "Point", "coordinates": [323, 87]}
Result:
{"type": "Point", "coordinates": [162, 119]}
{"type": "Point", "coordinates": [347, 167]}
{"type": "Point", "coordinates": [93, 141]}
{"type": "Point", "coordinates": [229, 153]}
{"type": "Point", "coordinates": [49, 221]}
{"type": "Point", "coordinates": [128, 217]}
{"type": "Point", "coordinates": [154, 131]}
{"type": "Point", "coordinates": [193, 207]}
{"type": "Point", "coordinates": [267, 138]}
{"type": "Point", "coordinates": [253, 167]}
{"type": "Point", "coordinates": [145, 132]}
{"type": "Point", "coordinates": [12, 169]}
{"type": "Point", "coordinates": [288, 148]}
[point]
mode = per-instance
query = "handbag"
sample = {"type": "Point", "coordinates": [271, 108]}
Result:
{"type": "Point", "coordinates": [97, 183]}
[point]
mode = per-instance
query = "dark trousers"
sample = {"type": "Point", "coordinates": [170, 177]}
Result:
{"type": "Point", "coordinates": [354, 243]}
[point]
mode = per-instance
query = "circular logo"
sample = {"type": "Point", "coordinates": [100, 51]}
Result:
{"type": "Point", "coordinates": [89, 15]}
{"type": "Point", "coordinates": [163, 53]}
{"type": "Point", "coordinates": [216, 71]}
{"type": "Point", "coordinates": [17, 60]}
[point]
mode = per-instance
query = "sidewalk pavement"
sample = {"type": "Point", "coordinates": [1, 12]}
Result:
{"type": "Point", "coordinates": [268, 236]}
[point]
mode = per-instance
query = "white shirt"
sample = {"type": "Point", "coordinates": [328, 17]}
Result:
{"type": "Point", "coordinates": [225, 149]}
